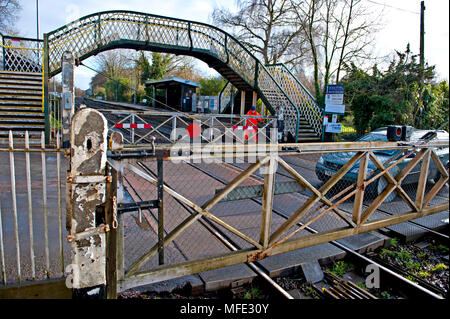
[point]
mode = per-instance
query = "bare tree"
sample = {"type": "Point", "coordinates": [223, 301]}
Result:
{"type": "Point", "coordinates": [338, 32]}
{"type": "Point", "coordinates": [9, 11]}
{"type": "Point", "coordinates": [264, 26]}
{"type": "Point", "coordinates": [113, 63]}
{"type": "Point", "coordinates": [130, 65]}
{"type": "Point", "coordinates": [185, 68]}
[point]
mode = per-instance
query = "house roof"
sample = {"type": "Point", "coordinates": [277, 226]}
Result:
{"type": "Point", "coordinates": [172, 79]}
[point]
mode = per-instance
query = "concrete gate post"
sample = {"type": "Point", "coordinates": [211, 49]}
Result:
{"type": "Point", "coordinates": [87, 182]}
{"type": "Point", "coordinates": [68, 96]}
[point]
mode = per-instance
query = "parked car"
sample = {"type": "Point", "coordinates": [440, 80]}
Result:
{"type": "Point", "coordinates": [329, 164]}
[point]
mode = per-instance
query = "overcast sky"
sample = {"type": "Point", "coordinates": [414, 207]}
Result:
{"type": "Point", "coordinates": [401, 26]}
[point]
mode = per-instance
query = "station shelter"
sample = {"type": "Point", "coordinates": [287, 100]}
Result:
{"type": "Point", "coordinates": [174, 92]}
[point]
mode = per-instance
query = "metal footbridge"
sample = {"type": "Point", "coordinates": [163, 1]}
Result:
{"type": "Point", "coordinates": [278, 88]}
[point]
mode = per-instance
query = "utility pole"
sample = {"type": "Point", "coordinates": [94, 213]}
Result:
{"type": "Point", "coordinates": [37, 20]}
{"type": "Point", "coordinates": [422, 59]}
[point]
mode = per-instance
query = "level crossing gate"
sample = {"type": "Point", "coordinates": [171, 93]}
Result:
{"type": "Point", "coordinates": [163, 211]}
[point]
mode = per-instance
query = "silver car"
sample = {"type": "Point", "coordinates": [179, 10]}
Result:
{"type": "Point", "coordinates": [329, 164]}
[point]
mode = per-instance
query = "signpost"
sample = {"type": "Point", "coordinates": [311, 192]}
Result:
{"type": "Point", "coordinates": [334, 94]}
{"type": "Point", "coordinates": [335, 108]}
{"type": "Point", "coordinates": [333, 128]}
{"type": "Point", "coordinates": [334, 99]}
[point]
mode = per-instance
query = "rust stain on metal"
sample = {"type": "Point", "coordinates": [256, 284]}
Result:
{"type": "Point", "coordinates": [256, 256]}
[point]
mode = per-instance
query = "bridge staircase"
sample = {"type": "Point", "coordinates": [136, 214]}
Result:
{"type": "Point", "coordinates": [21, 104]}
{"type": "Point", "coordinates": [309, 117]}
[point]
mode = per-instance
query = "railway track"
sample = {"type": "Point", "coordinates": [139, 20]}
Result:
{"type": "Point", "coordinates": [342, 289]}
{"type": "Point", "coordinates": [397, 279]}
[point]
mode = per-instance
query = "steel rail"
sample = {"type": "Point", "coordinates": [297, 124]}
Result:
{"type": "Point", "coordinates": [150, 211]}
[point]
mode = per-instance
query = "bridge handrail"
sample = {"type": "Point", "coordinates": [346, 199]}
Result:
{"type": "Point", "coordinates": [296, 79]}
{"type": "Point", "coordinates": [314, 118]}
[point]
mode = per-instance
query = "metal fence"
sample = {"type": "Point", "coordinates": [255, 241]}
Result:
{"type": "Point", "coordinates": [319, 193]}
{"type": "Point", "coordinates": [55, 116]}
{"type": "Point", "coordinates": [137, 128]}
{"type": "Point", "coordinates": [32, 248]}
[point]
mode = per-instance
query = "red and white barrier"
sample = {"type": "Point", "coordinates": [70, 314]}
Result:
{"type": "Point", "coordinates": [131, 125]}
{"type": "Point", "coordinates": [254, 128]}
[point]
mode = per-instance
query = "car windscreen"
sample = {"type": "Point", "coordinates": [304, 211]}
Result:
{"type": "Point", "coordinates": [377, 137]}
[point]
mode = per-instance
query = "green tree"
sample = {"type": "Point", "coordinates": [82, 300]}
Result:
{"type": "Point", "coordinates": [143, 68]}
{"type": "Point", "coordinates": [436, 105]}
{"type": "Point", "coordinates": [100, 92]}
{"type": "Point", "coordinates": [392, 97]}
{"type": "Point", "coordinates": [212, 86]}
{"type": "Point", "coordinates": [118, 89]}
{"type": "Point", "coordinates": [161, 65]}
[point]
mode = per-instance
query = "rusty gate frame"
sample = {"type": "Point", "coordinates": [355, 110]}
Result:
{"type": "Point", "coordinates": [268, 244]}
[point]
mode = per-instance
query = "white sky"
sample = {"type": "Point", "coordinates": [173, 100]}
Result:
{"type": "Point", "coordinates": [401, 26]}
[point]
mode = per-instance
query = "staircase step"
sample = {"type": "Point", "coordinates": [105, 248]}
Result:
{"type": "Point", "coordinates": [307, 131]}
{"type": "Point", "coordinates": [21, 75]}
{"type": "Point", "coordinates": [21, 80]}
{"type": "Point", "coordinates": [31, 120]}
{"type": "Point", "coordinates": [20, 109]}
{"type": "Point", "coordinates": [24, 98]}
{"type": "Point", "coordinates": [21, 87]}
{"type": "Point", "coordinates": [20, 91]}
{"type": "Point", "coordinates": [17, 73]}
{"type": "Point", "coordinates": [19, 103]}
{"type": "Point", "coordinates": [9, 81]}
{"type": "Point", "coordinates": [16, 113]}
{"type": "Point", "coordinates": [22, 127]}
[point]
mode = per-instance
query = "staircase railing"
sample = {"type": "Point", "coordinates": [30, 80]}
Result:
{"type": "Point", "coordinates": [307, 104]}
{"type": "Point", "coordinates": [277, 97]}
{"type": "Point", "coordinates": [21, 54]}
{"type": "Point", "coordinates": [225, 97]}
{"type": "Point", "coordinates": [2, 52]}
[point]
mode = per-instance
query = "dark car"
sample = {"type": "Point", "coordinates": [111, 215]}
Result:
{"type": "Point", "coordinates": [329, 164]}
